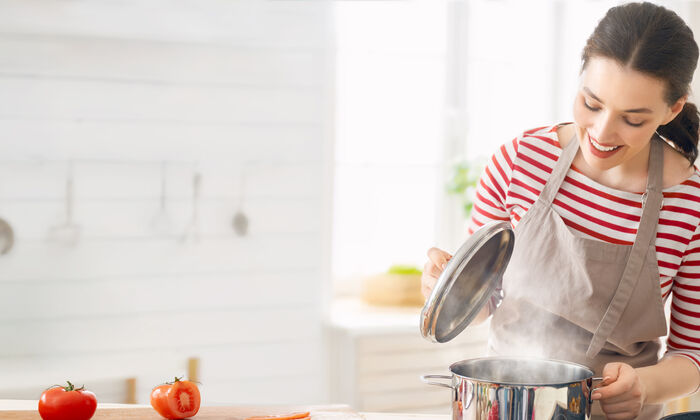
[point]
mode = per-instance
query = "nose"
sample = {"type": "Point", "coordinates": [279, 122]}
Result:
{"type": "Point", "coordinates": [604, 128]}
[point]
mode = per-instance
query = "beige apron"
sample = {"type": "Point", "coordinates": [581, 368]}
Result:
{"type": "Point", "coordinates": [582, 300]}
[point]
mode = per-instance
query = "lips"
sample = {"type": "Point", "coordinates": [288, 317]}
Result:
{"type": "Point", "coordinates": [600, 150]}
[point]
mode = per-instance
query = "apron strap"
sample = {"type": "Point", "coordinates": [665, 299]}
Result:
{"type": "Point", "coordinates": [652, 200]}
{"type": "Point", "coordinates": [558, 174]}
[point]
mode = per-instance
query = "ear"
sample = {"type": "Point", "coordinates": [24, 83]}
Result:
{"type": "Point", "coordinates": [675, 109]}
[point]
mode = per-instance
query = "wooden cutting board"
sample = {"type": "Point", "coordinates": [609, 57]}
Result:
{"type": "Point", "coordinates": [320, 412]}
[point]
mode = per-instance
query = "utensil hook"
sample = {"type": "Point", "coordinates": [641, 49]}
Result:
{"type": "Point", "coordinates": [163, 184]}
{"type": "Point", "coordinates": [191, 231]}
{"type": "Point", "coordinates": [69, 194]}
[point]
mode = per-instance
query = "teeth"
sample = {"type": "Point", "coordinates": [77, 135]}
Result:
{"type": "Point", "coordinates": [600, 146]}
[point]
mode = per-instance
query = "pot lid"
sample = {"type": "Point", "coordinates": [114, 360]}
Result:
{"type": "Point", "coordinates": [467, 282]}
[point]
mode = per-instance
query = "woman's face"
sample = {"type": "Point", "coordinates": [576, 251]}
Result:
{"type": "Point", "coordinates": [616, 112]}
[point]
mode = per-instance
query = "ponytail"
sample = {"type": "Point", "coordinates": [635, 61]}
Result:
{"type": "Point", "coordinates": [683, 132]}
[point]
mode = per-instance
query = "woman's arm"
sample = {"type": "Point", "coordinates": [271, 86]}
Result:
{"type": "Point", "coordinates": [673, 377]}
{"type": "Point", "coordinates": [626, 389]}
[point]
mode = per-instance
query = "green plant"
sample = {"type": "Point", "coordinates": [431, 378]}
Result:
{"type": "Point", "coordinates": [404, 269]}
{"type": "Point", "coordinates": [463, 181]}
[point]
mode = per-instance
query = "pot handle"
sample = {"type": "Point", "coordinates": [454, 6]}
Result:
{"type": "Point", "coordinates": [425, 378]}
{"type": "Point", "coordinates": [590, 394]}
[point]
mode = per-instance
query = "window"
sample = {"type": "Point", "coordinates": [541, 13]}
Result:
{"type": "Point", "coordinates": [422, 85]}
{"type": "Point", "coordinates": [389, 133]}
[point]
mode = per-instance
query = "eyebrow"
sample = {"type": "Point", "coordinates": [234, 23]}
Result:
{"type": "Point", "coordinates": [636, 110]}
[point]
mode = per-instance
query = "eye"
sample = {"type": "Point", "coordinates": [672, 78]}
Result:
{"type": "Point", "coordinates": [591, 108]}
{"type": "Point", "coordinates": [634, 124]}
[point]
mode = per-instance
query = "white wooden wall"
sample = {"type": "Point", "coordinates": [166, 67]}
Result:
{"type": "Point", "coordinates": [216, 87]}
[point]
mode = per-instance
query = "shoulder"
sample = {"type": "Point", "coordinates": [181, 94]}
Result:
{"type": "Point", "coordinates": [677, 169]}
{"type": "Point", "coordinates": [538, 142]}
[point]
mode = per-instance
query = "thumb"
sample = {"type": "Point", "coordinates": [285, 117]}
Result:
{"type": "Point", "coordinates": [611, 372]}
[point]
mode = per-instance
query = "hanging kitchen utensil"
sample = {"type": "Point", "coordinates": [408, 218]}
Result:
{"type": "Point", "coordinates": [68, 232]}
{"type": "Point", "coordinates": [240, 220]}
{"type": "Point", "coordinates": [161, 222]}
{"type": "Point", "coordinates": [7, 237]}
{"type": "Point", "coordinates": [192, 230]}
{"type": "Point", "coordinates": [470, 279]}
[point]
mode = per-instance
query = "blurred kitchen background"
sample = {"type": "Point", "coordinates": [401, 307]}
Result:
{"type": "Point", "coordinates": [220, 188]}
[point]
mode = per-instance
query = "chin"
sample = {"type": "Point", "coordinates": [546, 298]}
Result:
{"type": "Point", "coordinates": [601, 164]}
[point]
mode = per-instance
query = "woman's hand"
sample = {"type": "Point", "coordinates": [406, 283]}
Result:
{"type": "Point", "coordinates": [437, 259]}
{"type": "Point", "coordinates": [623, 393]}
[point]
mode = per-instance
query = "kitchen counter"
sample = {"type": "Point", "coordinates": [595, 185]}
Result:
{"type": "Point", "coordinates": [30, 406]}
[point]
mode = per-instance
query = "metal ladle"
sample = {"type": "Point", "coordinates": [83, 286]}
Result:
{"type": "Point", "coordinates": [240, 220]}
{"type": "Point", "coordinates": [192, 230]}
{"type": "Point", "coordinates": [68, 232]}
{"type": "Point", "coordinates": [7, 237]}
{"type": "Point", "coordinates": [161, 222]}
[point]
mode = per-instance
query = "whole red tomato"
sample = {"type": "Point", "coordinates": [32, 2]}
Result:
{"type": "Point", "coordinates": [67, 403]}
{"type": "Point", "coordinates": [176, 400]}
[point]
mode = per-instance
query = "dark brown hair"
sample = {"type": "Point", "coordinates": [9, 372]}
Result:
{"type": "Point", "coordinates": [653, 40]}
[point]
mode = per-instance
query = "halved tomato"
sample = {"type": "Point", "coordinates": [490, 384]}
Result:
{"type": "Point", "coordinates": [176, 400]}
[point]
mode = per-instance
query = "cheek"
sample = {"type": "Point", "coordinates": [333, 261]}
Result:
{"type": "Point", "coordinates": [582, 116]}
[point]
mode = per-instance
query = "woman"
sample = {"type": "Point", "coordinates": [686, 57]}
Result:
{"type": "Point", "coordinates": [606, 217]}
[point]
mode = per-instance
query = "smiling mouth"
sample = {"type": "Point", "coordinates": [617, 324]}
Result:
{"type": "Point", "coordinates": [600, 147]}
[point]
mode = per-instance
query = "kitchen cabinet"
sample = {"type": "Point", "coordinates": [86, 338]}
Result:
{"type": "Point", "coordinates": [378, 354]}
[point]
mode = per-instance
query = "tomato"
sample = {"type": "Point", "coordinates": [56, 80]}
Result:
{"type": "Point", "coordinates": [67, 403]}
{"type": "Point", "coordinates": [176, 400]}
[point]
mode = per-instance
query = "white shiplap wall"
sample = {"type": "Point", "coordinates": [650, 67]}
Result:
{"type": "Point", "coordinates": [223, 88]}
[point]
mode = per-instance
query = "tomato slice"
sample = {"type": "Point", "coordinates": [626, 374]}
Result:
{"type": "Point", "coordinates": [183, 399]}
{"type": "Point", "coordinates": [293, 416]}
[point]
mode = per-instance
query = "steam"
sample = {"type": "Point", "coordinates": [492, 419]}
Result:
{"type": "Point", "coordinates": [524, 328]}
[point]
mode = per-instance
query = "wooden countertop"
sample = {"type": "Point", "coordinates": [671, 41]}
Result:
{"type": "Point", "coordinates": [27, 410]}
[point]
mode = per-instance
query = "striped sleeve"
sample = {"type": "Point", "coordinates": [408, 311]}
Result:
{"type": "Point", "coordinates": [492, 190]}
{"type": "Point", "coordinates": [684, 332]}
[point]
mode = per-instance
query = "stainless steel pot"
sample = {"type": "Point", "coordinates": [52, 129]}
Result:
{"type": "Point", "coordinates": [507, 388]}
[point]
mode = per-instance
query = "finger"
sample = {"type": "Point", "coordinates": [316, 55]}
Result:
{"type": "Point", "coordinates": [623, 387]}
{"type": "Point", "coordinates": [621, 416]}
{"type": "Point", "coordinates": [614, 391]}
{"type": "Point", "coordinates": [427, 287]}
{"type": "Point", "coordinates": [425, 291]}
{"type": "Point", "coordinates": [622, 411]}
{"type": "Point", "coordinates": [431, 270]}
{"type": "Point", "coordinates": [621, 407]}
{"type": "Point", "coordinates": [611, 371]}
{"type": "Point", "coordinates": [629, 395]}
{"type": "Point", "coordinates": [427, 280]}
{"type": "Point", "coordinates": [439, 257]}
{"type": "Point", "coordinates": [611, 386]}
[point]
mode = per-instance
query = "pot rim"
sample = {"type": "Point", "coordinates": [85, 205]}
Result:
{"type": "Point", "coordinates": [590, 375]}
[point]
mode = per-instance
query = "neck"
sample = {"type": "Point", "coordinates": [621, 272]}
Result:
{"type": "Point", "coordinates": [630, 175]}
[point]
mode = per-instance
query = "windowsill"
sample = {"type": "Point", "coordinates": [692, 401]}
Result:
{"type": "Point", "coordinates": [354, 315]}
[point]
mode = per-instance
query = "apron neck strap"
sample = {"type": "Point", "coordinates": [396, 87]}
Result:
{"type": "Point", "coordinates": [655, 174]}
{"type": "Point", "coordinates": [561, 167]}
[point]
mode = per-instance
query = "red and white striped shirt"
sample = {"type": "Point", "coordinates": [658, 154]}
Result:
{"type": "Point", "coordinates": [515, 176]}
